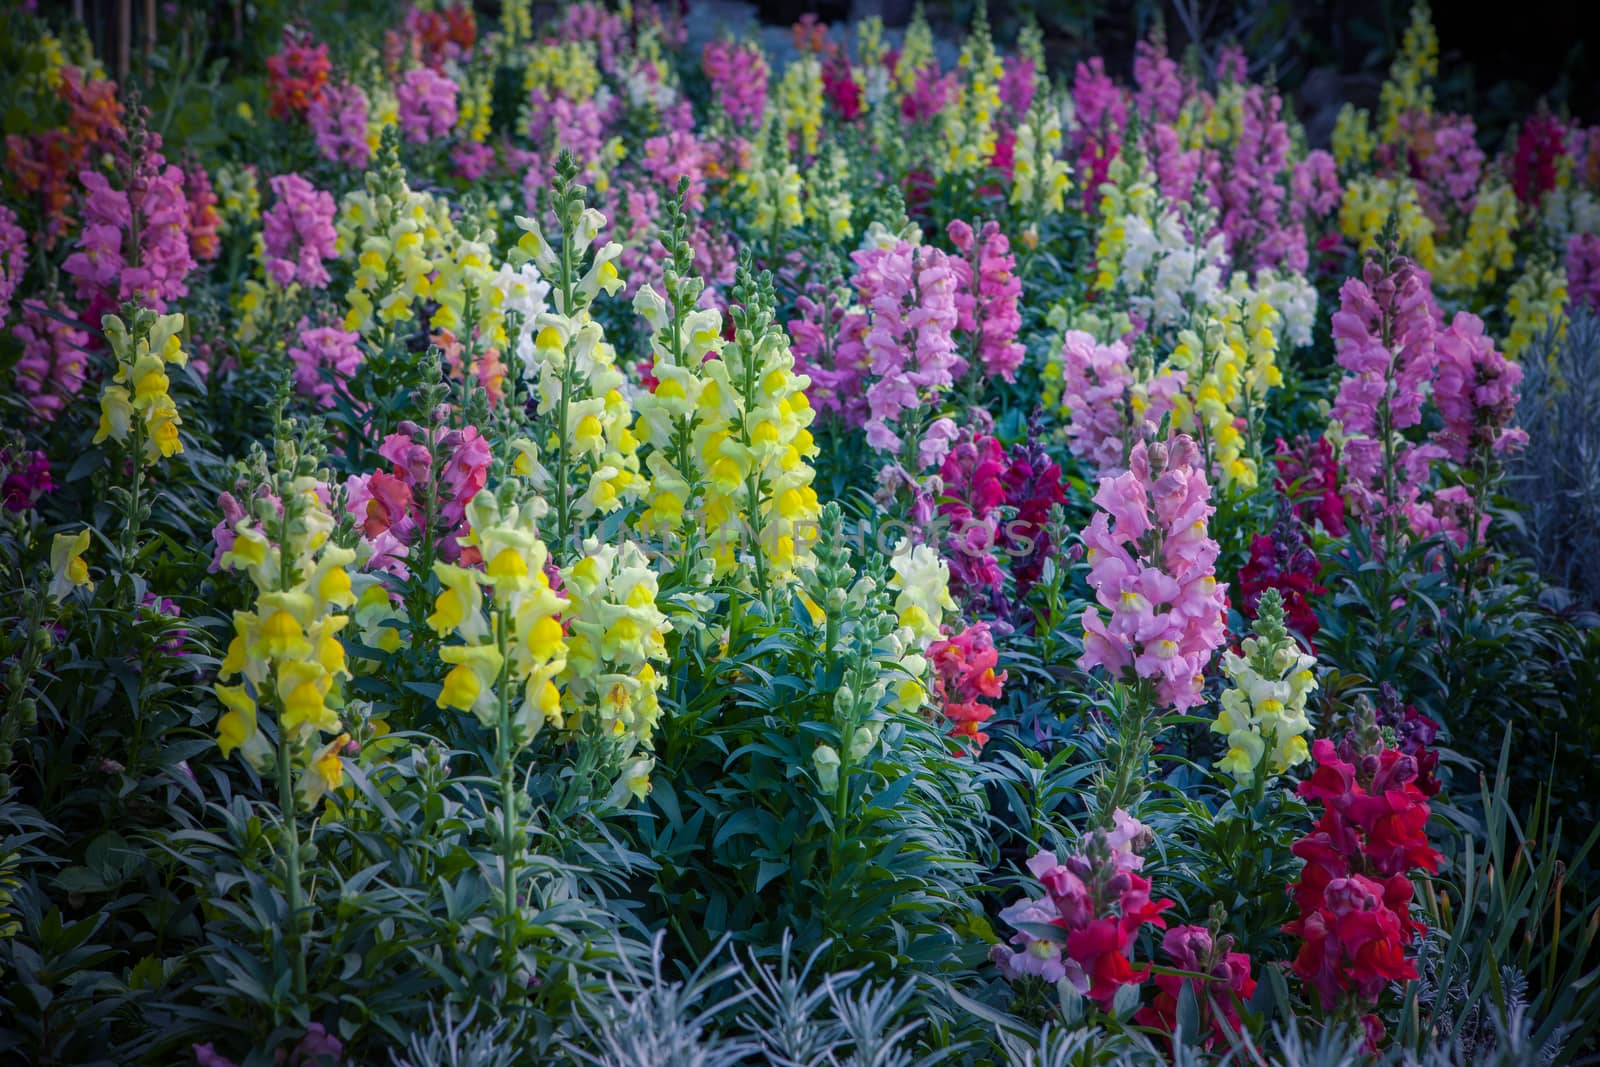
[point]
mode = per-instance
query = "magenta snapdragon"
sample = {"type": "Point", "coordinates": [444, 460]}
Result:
{"type": "Point", "coordinates": [338, 120]}
{"type": "Point", "coordinates": [1260, 230]}
{"type": "Point", "coordinates": [1160, 612]}
{"type": "Point", "coordinates": [1475, 389]}
{"type": "Point", "coordinates": [427, 102]}
{"type": "Point", "coordinates": [1160, 85]}
{"type": "Point", "coordinates": [1384, 336]}
{"type": "Point", "coordinates": [13, 259]}
{"type": "Point", "coordinates": [320, 349]}
{"type": "Point", "coordinates": [1096, 390]}
{"type": "Point", "coordinates": [298, 232]}
{"type": "Point", "coordinates": [987, 296]}
{"type": "Point", "coordinates": [1450, 172]}
{"type": "Point", "coordinates": [1583, 269]}
{"type": "Point", "coordinates": [135, 241]}
{"type": "Point", "coordinates": [54, 360]}
{"type": "Point", "coordinates": [1102, 114]}
{"type": "Point", "coordinates": [738, 76]}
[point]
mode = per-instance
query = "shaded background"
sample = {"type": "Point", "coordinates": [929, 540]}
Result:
{"type": "Point", "coordinates": [1496, 63]}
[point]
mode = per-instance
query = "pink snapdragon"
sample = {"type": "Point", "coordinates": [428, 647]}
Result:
{"type": "Point", "coordinates": [1475, 389]}
{"type": "Point", "coordinates": [1102, 114]}
{"type": "Point", "coordinates": [906, 339]}
{"type": "Point", "coordinates": [386, 504]}
{"type": "Point", "coordinates": [1583, 269]}
{"type": "Point", "coordinates": [338, 120]}
{"type": "Point", "coordinates": [1452, 166]}
{"type": "Point", "coordinates": [1384, 335]}
{"type": "Point", "coordinates": [135, 240]}
{"type": "Point", "coordinates": [298, 232]}
{"type": "Point", "coordinates": [1314, 184]}
{"type": "Point", "coordinates": [54, 360]}
{"type": "Point", "coordinates": [972, 496]}
{"type": "Point", "coordinates": [13, 259]}
{"type": "Point", "coordinates": [1247, 190]}
{"type": "Point", "coordinates": [1096, 902]}
{"type": "Point", "coordinates": [427, 102]}
{"type": "Point", "coordinates": [836, 385]}
{"type": "Point", "coordinates": [738, 76]}
{"type": "Point", "coordinates": [987, 296]}
{"type": "Point", "coordinates": [1232, 66]}
{"type": "Point", "coordinates": [677, 155]}
{"type": "Point", "coordinates": [1160, 83]}
{"type": "Point", "coordinates": [1017, 85]}
{"type": "Point", "coordinates": [320, 349]}
{"type": "Point", "coordinates": [1096, 390]}
{"type": "Point", "coordinates": [1160, 613]}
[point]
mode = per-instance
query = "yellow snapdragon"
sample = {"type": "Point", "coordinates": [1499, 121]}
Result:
{"type": "Point", "coordinates": [1488, 247]}
{"type": "Point", "coordinates": [1534, 303]}
{"type": "Point", "coordinates": [1407, 88]}
{"type": "Point", "coordinates": [798, 103]}
{"type": "Point", "coordinates": [135, 404]}
{"type": "Point", "coordinates": [396, 237]}
{"type": "Point", "coordinates": [1353, 142]}
{"type": "Point", "coordinates": [512, 646]}
{"type": "Point", "coordinates": [617, 640]}
{"type": "Point", "coordinates": [286, 651]}
{"type": "Point", "coordinates": [1368, 203]}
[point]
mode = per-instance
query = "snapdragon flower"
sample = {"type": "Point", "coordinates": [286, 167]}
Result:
{"type": "Point", "coordinates": [1084, 928]}
{"type": "Point", "coordinates": [738, 76]}
{"type": "Point", "coordinates": [988, 291]}
{"type": "Point", "coordinates": [54, 360]}
{"type": "Point", "coordinates": [297, 232]}
{"type": "Point", "coordinates": [1153, 573]}
{"type": "Point", "coordinates": [338, 119]}
{"type": "Point", "coordinates": [136, 403]}
{"type": "Point", "coordinates": [1535, 303]}
{"type": "Point", "coordinates": [1263, 712]}
{"type": "Point", "coordinates": [13, 259]}
{"type": "Point", "coordinates": [286, 650]}
{"type": "Point", "coordinates": [427, 102]}
{"type": "Point", "coordinates": [513, 645]}
{"type": "Point", "coordinates": [905, 339]}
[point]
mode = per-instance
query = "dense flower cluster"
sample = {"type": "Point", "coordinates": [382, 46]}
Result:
{"type": "Point", "coordinates": [54, 361]}
{"type": "Point", "coordinates": [286, 650]}
{"type": "Point", "coordinates": [296, 74]}
{"type": "Point", "coordinates": [427, 104]}
{"type": "Point", "coordinates": [135, 240]}
{"type": "Point", "coordinates": [13, 259]}
{"type": "Point", "coordinates": [1152, 572]}
{"type": "Point", "coordinates": [391, 508]}
{"type": "Point", "coordinates": [904, 339]}
{"type": "Point", "coordinates": [987, 298]}
{"type": "Point", "coordinates": [1094, 906]}
{"type": "Point", "coordinates": [297, 232]}
{"type": "Point", "coordinates": [1284, 561]}
{"type": "Point", "coordinates": [1354, 893]}
{"type": "Point", "coordinates": [963, 678]}
{"type": "Point", "coordinates": [1263, 712]}
{"type": "Point", "coordinates": [135, 405]}
{"type": "Point", "coordinates": [1227, 985]}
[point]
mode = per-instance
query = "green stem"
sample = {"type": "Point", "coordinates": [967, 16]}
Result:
{"type": "Point", "coordinates": [563, 496]}
{"type": "Point", "coordinates": [286, 806]}
{"type": "Point", "coordinates": [508, 851]}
